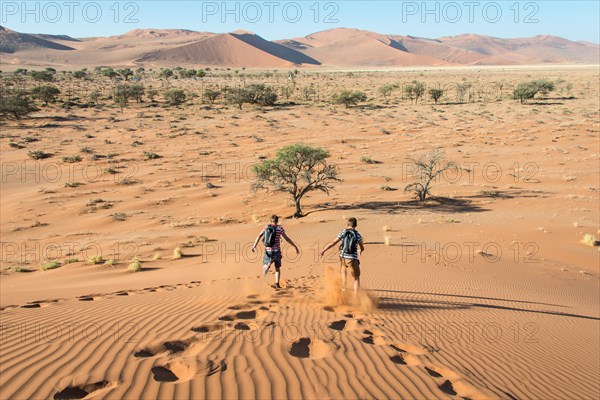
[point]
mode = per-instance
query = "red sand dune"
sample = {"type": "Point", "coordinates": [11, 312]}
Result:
{"type": "Point", "coordinates": [335, 47]}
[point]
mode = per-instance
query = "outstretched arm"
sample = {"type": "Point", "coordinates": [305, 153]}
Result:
{"type": "Point", "coordinates": [330, 245]}
{"type": "Point", "coordinates": [290, 241]}
{"type": "Point", "coordinates": [257, 240]}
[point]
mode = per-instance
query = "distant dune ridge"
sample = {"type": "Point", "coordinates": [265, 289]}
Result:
{"type": "Point", "coordinates": [340, 47]}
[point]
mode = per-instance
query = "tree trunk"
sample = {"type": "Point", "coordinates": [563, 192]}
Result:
{"type": "Point", "coordinates": [298, 213]}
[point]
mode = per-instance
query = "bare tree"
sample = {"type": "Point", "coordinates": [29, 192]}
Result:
{"type": "Point", "coordinates": [427, 168]}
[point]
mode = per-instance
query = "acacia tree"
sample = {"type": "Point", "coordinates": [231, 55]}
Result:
{"type": "Point", "coordinates": [436, 94]}
{"type": "Point", "coordinates": [426, 169]}
{"type": "Point", "coordinates": [296, 169]}
{"type": "Point", "coordinates": [415, 90]}
{"type": "Point", "coordinates": [16, 104]}
{"type": "Point", "coordinates": [386, 90]}
{"type": "Point", "coordinates": [528, 90]}
{"type": "Point", "coordinates": [349, 98]}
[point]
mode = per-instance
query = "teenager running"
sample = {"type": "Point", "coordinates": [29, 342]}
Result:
{"type": "Point", "coordinates": [272, 234]}
{"type": "Point", "coordinates": [351, 247]}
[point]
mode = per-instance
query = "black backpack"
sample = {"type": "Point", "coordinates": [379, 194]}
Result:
{"type": "Point", "coordinates": [270, 236]}
{"type": "Point", "coordinates": [349, 241]}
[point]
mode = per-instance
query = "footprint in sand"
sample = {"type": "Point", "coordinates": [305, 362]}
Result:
{"type": "Point", "coordinates": [375, 338]}
{"type": "Point", "coordinates": [448, 388]}
{"type": "Point", "coordinates": [406, 355]}
{"type": "Point", "coordinates": [31, 305]}
{"type": "Point", "coordinates": [338, 325]}
{"type": "Point", "coordinates": [185, 369]}
{"type": "Point", "coordinates": [162, 374]}
{"type": "Point", "coordinates": [241, 326]}
{"type": "Point", "coordinates": [79, 392]}
{"type": "Point", "coordinates": [175, 346]}
{"type": "Point", "coordinates": [307, 348]}
{"type": "Point", "coordinates": [398, 359]}
{"type": "Point", "coordinates": [208, 328]}
{"type": "Point", "coordinates": [246, 315]}
{"type": "Point", "coordinates": [453, 385]}
{"type": "Point", "coordinates": [171, 346]}
{"type": "Point", "coordinates": [433, 373]}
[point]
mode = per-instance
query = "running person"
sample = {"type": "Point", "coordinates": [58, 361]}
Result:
{"type": "Point", "coordinates": [351, 247]}
{"type": "Point", "coordinates": [272, 234]}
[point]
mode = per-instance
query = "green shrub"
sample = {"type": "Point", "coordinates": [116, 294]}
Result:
{"type": "Point", "coordinates": [37, 155]}
{"type": "Point", "coordinates": [150, 155]}
{"type": "Point", "coordinates": [348, 98]}
{"type": "Point", "coordinates": [95, 260]}
{"type": "Point", "coordinates": [15, 104]}
{"type": "Point", "coordinates": [50, 265]}
{"type": "Point", "coordinates": [135, 266]}
{"type": "Point", "coordinates": [436, 94]}
{"type": "Point", "coordinates": [72, 159]}
{"type": "Point", "coordinates": [42, 76]}
{"type": "Point", "coordinates": [528, 90]}
{"type": "Point", "coordinates": [175, 97]}
{"type": "Point", "coordinates": [45, 93]}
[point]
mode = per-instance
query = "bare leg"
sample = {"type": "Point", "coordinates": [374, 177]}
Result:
{"type": "Point", "coordinates": [343, 271]}
{"type": "Point", "coordinates": [266, 269]}
{"type": "Point", "coordinates": [277, 276]}
{"type": "Point", "coordinates": [356, 285]}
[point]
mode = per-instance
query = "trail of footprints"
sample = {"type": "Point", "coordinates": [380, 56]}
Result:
{"type": "Point", "coordinates": [102, 296]}
{"type": "Point", "coordinates": [180, 360]}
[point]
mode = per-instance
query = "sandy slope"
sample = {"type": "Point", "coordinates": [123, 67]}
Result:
{"type": "Point", "coordinates": [340, 47]}
{"type": "Point", "coordinates": [475, 297]}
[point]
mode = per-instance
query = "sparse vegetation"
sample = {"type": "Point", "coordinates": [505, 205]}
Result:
{"type": "Point", "coordinates": [72, 159]}
{"type": "Point", "coordinates": [148, 155]}
{"type": "Point", "coordinates": [135, 266]}
{"type": "Point", "coordinates": [252, 94]}
{"type": "Point", "coordinates": [349, 98]}
{"type": "Point", "coordinates": [436, 94]}
{"type": "Point", "coordinates": [528, 90]}
{"type": "Point", "coordinates": [211, 95]}
{"type": "Point", "coordinates": [50, 265]}
{"type": "Point", "coordinates": [15, 104]}
{"type": "Point", "coordinates": [177, 253]}
{"type": "Point", "coordinates": [38, 155]}
{"type": "Point", "coordinates": [387, 240]}
{"type": "Point", "coordinates": [415, 90]}
{"type": "Point", "coordinates": [386, 90]}
{"type": "Point", "coordinates": [590, 240]}
{"type": "Point", "coordinates": [368, 160]}
{"type": "Point", "coordinates": [97, 259]}
{"type": "Point", "coordinates": [119, 216]}
{"type": "Point", "coordinates": [45, 93]}
{"type": "Point", "coordinates": [175, 97]}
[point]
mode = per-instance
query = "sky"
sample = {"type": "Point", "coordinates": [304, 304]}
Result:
{"type": "Point", "coordinates": [274, 19]}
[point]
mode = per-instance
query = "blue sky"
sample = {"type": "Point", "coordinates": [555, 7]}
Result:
{"type": "Point", "coordinates": [274, 19]}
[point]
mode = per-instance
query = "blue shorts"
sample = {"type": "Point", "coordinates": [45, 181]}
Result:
{"type": "Point", "coordinates": [272, 257]}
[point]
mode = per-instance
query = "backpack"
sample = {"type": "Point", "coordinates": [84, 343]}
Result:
{"type": "Point", "coordinates": [349, 241]}
{"type": "Point", "coordinates": [270, 236]}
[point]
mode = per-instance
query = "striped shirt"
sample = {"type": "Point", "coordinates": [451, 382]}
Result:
{"type": "Point", "coordinates": [278, 232]}
{"type": "Point", "coordinates": [354, 255]}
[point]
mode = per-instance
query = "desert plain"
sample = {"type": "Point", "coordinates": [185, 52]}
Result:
{"type": "Point", "coordinates": [486, 291]}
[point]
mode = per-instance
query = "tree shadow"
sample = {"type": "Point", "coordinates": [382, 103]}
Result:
{"type": "Point", "coordinates": [505, 194]}
{"type": "Point", "coordinates": [392, 303]}
{"type": "Point", "coordinates": [442, 205]}
{"type": "Point", "coordinates": [544, 103]}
